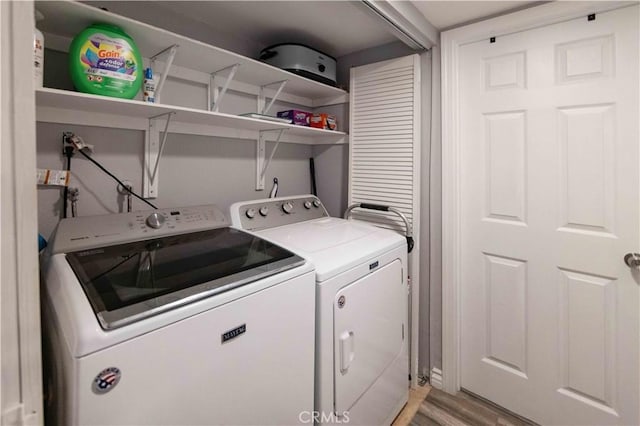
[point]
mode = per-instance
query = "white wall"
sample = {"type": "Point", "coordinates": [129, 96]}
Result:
{"type": "Point", "coordinates": [193, 170]}
{"type": "Point", "coordinates": [332, 167]}
{"type": "Point", "coordinates": [369, 56]}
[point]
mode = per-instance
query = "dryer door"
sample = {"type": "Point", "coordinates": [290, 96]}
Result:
{"type": "Point", "coordinates": [369, 327]}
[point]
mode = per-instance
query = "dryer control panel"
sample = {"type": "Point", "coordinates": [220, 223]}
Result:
{"type": "Point", "coordinates": [84, 232]}
{"type": "Point", "coordinates": [273, 212]}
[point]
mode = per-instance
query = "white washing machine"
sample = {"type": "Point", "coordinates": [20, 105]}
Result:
{"type": "Point", "coordinates": [362, 363]}
{"type": "Point", "coordinates": [172, 317]}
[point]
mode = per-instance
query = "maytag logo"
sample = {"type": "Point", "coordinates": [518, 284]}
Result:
{"type": "Point", "coordinates": [232, 334]}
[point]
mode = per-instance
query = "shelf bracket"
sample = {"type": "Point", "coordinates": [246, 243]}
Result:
{"type": "Point", "coordinates": [171, 51]}
{"type": "Point", "coordinates": [154, 147]}
{"type": "Point", "coordinates": [261, 164]}
{"type": "Point", "coordinates": [263, 107]}
{"type": "Point", "coordinates": [218, 93]}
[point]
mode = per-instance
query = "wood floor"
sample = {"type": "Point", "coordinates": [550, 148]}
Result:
{"type": "Point", "coordinates": [416, 396]}
{"type": "Point", "coordinates": [432, 407]}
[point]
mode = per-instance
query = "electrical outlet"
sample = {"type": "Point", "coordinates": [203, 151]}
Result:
{"type": "Point", "coordinates": [71, 141]}
{"type": "Point", "coordinates": [66, 143]}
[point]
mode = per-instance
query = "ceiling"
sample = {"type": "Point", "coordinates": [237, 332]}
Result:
{"type": "Point", "coordinates": [449, 14]}
{"type": "Point", "coordinates": [336, 27]}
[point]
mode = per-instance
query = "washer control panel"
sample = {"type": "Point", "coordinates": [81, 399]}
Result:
{"type": "Point", "coordinates": [83, 232]}
{"type": "Point", "coordinates": [272, 212]}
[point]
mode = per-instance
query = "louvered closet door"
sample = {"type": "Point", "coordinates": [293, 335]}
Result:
{"type": "Point", "coordinates": [385, 133]}
{"type": "Point", "coordinates": [384, 163]}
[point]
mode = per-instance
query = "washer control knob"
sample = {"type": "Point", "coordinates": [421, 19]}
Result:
{"type": "Point", "coordinates": [155, 220]}
{"type": "Point", "coordinates": [264, 210]}
{"type": "Point", "coordinates": [316, 203]}
{"type": "Point", "coordinates": [307, 205]}
{"type": "Point", "coordinates": [251, 213]}
{"type": "Point", "coordinates": [287, 207]}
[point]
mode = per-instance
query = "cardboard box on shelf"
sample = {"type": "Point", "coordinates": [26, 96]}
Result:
{"type": "Point", "coordinates": [299, 118]}
{"type": "Point", "coordinates": [323, 121]}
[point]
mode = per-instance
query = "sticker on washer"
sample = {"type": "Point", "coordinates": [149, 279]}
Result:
{"type": "Point", "coordinates": [106, 380]}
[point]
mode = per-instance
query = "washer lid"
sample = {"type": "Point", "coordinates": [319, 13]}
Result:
{"type": "Point", "coordinates": [128, 282]}
{"type": "Point", "coordinates": [334, 245]}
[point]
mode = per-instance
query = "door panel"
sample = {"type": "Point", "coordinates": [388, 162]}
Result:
{"type": "Point", "coordinates": [587, 333]}
{"type": "Point", "coordinates": [550, 205]}
{"type": "Point", "coordinates": [369, 327]}
{"type": "Point", "coordinates": [587, 161]}
{"type": "Point", "coordinates": [505, 136]}
{"type": "Point", "coordinates": [506, 313]}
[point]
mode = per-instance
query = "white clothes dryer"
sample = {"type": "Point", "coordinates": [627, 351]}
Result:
{"type": "Point", "coordinates": [362, 364]}
{"type": "Point", "coordinates": [172, 317]}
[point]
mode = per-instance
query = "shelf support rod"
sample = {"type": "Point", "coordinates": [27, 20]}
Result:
{"type": "Point", "coordinates": [171, 50]}
{"type": "Point", "coordinates": [261, 164]}
{"type": "Point", "coordinates": [263, 97]}
{"type": "Point", "coordinates": [273, 151]}
{"type": "Point", "coordinates": [153, 173]}
{"type": "Point", "coordinates": [218, 95]}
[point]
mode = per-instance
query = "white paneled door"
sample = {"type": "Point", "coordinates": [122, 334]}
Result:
{"type": "Point", "coordinates": [550, 205]}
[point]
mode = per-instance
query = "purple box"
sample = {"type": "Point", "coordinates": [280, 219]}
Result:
{"type": "Point", "coordinates": [300, 118]}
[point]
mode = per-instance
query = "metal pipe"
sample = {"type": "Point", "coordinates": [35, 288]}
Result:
{"type": "Point", "coordinates": [129, 199]}
{"type": "Point", "coordinates": [379, 207]}
{"type": "Point", "coordinates": [74, 194]}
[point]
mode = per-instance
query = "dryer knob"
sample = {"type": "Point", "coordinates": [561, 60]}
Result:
{"type": "Point", "coordinates": [264, 210]}
{"type": "Point", "coordinates": [251, 213]}
{"type": "Point", "coordinates": [316, 203]}
{"type": "Point", "coordinates": [307, 205]}
{"type": "Point", "coordinates": [287, 207]}
{"type": "Point", "coordinates": [155, 220]}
